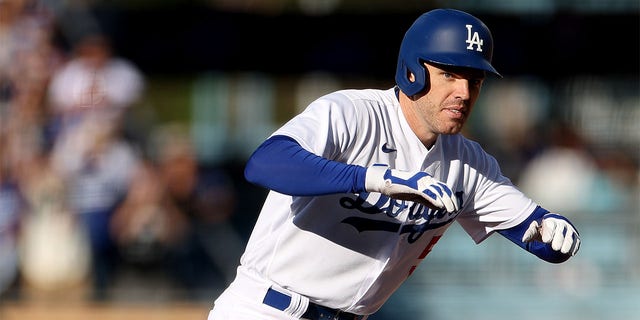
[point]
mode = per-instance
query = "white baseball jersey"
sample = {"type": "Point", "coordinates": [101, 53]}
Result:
{"type": "Point", "coordinates": [352, 251]}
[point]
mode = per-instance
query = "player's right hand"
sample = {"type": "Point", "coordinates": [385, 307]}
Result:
{"type": "Point", "coordinates": [412, 186]}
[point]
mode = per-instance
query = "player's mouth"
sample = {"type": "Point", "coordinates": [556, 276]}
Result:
{"type": "Point", "coordinates": [456, 112]}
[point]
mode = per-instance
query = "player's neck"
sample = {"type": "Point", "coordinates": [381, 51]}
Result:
{"type": "Point", "coordinates": [419, 127]}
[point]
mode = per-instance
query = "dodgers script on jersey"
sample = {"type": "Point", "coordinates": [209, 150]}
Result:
{"type": "Point", "coordinates": [365, 236]}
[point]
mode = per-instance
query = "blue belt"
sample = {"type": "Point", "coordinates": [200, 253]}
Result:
{"type": "Point", "coordinates": [281, 302]}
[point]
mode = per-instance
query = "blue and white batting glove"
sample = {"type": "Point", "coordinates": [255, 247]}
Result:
{"type": "Point", "coordinates": [412, 186]}
{"type": "Point", "coordinates": [554, 229]}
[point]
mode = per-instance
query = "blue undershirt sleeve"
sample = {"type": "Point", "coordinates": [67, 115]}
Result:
{"type": "Point", "coordinates": [282, 165]}
{"type": "Point", "coordinates": [540, 249]}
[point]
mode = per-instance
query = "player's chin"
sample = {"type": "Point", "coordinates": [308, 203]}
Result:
{"type": "Point", "coordinates": [453, 127]}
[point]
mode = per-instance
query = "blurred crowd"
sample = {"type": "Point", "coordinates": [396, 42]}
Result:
{"type": "Point", "coordinates": [90, 198]}
{"type": "Point", "coordinates": [82, 197]}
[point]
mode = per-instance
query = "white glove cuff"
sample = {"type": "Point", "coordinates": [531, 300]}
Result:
{"type": "Point", "coordinates": [374, 178]}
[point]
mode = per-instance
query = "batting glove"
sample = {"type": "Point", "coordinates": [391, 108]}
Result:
{"type": "Point", "coordinates": [417, 187]}
{"type": "Point", "coordinates": [556, 230]}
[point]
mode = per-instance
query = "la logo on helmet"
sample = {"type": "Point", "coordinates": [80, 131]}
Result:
{"type": "Point", "coordinates": [473, 39]}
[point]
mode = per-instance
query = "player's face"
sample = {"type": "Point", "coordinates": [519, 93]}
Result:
{"type": "Point", "coordinates": [446, 105]}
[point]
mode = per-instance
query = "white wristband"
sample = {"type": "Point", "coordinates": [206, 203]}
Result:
{"type": "Point", "coordinates": [374, 178]}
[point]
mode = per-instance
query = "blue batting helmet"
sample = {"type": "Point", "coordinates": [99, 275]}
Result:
{"type": "Point", "coordinates": [447, 37]}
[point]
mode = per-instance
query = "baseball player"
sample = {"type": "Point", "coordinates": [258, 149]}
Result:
{"type": "Point", "coordinates": [365, 182]}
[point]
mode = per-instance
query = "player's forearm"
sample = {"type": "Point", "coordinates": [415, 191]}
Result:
{"type": "Point", "coordinates": [282, 165]}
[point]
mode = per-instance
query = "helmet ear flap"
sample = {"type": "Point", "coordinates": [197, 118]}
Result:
{"type": "Point", "coordinates": [422, 77]}
{"type": "Point", "coordinates": [412, 80]}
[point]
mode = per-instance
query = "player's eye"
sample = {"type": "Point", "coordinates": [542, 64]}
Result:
{"type": "Point", "coordinates": [476, 82]}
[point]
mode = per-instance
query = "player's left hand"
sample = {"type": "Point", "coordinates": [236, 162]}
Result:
{"type": "Point", "coordinates": [557, 231]}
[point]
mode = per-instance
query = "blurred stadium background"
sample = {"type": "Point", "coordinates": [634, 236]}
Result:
{"type": "Point", "coordinates": [218, 76]}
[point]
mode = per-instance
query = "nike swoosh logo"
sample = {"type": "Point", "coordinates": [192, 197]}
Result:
{"type": "Point", "coordinates": [386, 148]}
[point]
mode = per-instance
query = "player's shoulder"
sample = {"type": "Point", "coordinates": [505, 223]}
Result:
{"type": "Point", "coordinates": [359, 95]}
{"type": "Point", "coordinates": [469, 153]}
{"type": "Point", "coordinates": [462, 144]}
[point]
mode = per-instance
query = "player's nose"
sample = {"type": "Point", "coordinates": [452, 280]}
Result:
{"type": "Point", "coordinates": [462, 89]}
